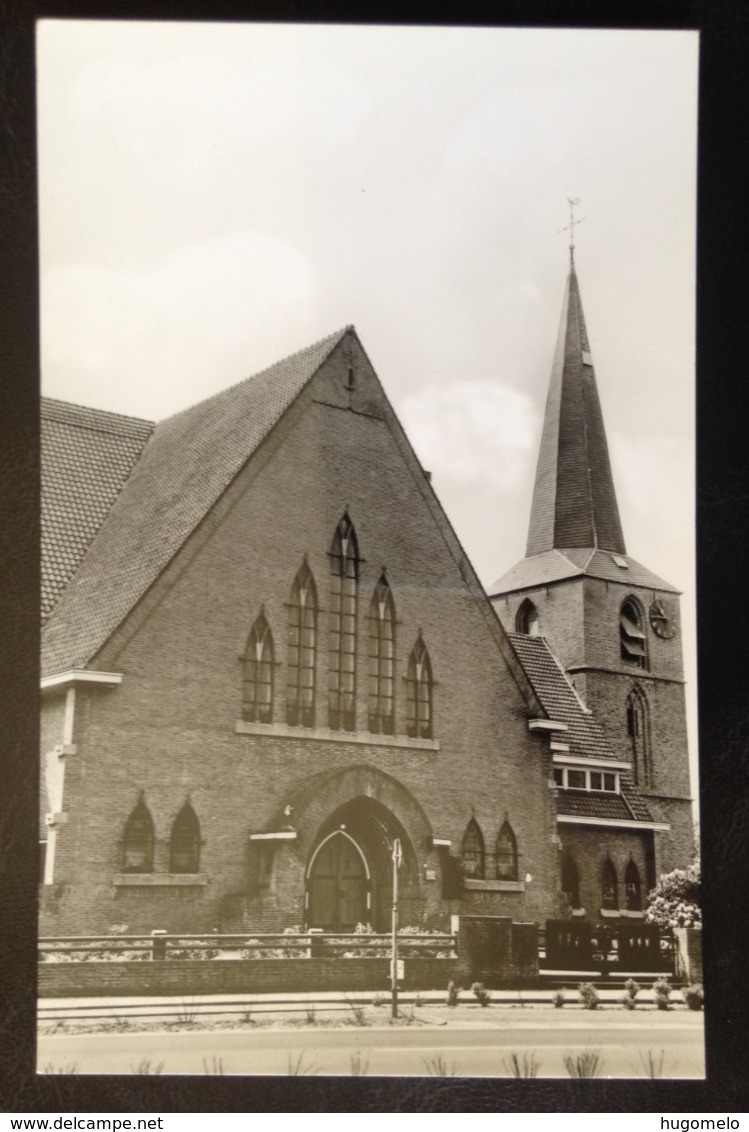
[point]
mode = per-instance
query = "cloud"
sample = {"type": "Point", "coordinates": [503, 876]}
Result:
{"type": "Point", "coordinates": [473, 431]}
{"type": "Point", "coordinates": [211, 313]}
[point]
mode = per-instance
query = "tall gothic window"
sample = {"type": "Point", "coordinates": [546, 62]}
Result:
{"type": "Point", "coordinates": [632, 639]}
{"type": "Point", "coordinates": [507, 853]}
{"type": "Point", "coordinates": [638, 731]}
{"type": "Point", "coordinates": [419, 693]}
{"type": "Point", "coordinates": [137, 843]}
{"type": "Point", "coordinates": [609, 888]}
{"type": "Point", "coordinates": [382, 660]}
{"type": "Point", "coordinates": [300, 696]}
{"type": "Point", "coordinates": [632, 887]}
{"type": "Point", "coordinates": [344, 559]}
{"type": "Point", "coordinates": [570, 879]}
{"type": "Point", "coordinates": [184, 844]}
{"type": "Point", "coordinates": [527, 619]}
{"type": "Point", "coordinates": [472, 852]}
{"type": "Point", "coordinates": [257, 704]}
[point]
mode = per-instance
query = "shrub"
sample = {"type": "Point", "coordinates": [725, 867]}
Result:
{"type": "Point", "coordinates": [558, 999]}
{"type": "Point", "coordinates": [662, 994]}
{"type": "Point", "coordinates": [588, 998]}
{"type": "Point", "coordinates": [675, 901]}
{"type": "Point", "coordinates": [587, 1064]}
{"type": "Point", "coordinates": [526, 1066]}
{"type": "Point", "coordinates": [453, 994]}
{"type": "Point", "coordinates": [481, 993]}
{"type": "Point", "coordinates": [694, 996]}
{"type": "Point", "coordinates": [629, 998]}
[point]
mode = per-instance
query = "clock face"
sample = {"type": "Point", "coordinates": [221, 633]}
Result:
{"type": "Point", "coordinates": [661, 619]}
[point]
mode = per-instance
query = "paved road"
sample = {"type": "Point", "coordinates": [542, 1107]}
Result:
{"type": "Point", "coordinates": [625, 1043]}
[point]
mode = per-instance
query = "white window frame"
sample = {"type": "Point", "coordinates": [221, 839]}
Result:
{"type": "Point", "coordinates": [564, 785]}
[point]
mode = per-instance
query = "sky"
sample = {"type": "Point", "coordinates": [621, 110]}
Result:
{"type": "Point", "coordinates": [214, 197]}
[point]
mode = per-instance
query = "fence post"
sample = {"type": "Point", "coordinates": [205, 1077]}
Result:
{"type": "Point", "coordinates": [315, 943]}
{"type": "Point", "coordinates": [158, 947]}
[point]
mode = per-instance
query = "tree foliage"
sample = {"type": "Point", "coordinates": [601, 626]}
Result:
{"type": "Point", "coordinates": [675, 902]}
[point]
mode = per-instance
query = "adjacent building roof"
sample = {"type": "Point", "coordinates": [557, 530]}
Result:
{"type": "Point", "coordinates": [183, 465]}
{"type": "Point", "coordinates": [574, 502]}
{"type": "Point", "coordinates": [559, 564]}
{"type": "Point", "coordinates": [87, 455]}
{"type": "Point", "coordinates": [611, 807]}
{"type": "Point", "coordinates": [559, 699]}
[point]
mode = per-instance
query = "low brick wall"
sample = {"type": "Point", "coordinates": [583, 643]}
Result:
{"type": "Point", "coordinates": [497, 952]}
{"type": "Point", "coordinates": [237, 976]}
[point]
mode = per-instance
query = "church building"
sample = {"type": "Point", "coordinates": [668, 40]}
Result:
{"type": "Point", "coordinates": [266, 657]}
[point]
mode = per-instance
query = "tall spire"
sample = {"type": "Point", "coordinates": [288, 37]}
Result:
{"type": "Point", "coordinates": [574, 502]}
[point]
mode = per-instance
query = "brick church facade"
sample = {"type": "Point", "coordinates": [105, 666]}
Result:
{"type": "Point", "coordinates": [266, 656]}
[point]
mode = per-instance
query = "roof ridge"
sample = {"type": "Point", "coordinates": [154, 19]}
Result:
{"type": "Point", "coordinates": [52, 403]}
{"type": "Point", "coordinates": [333, 338]}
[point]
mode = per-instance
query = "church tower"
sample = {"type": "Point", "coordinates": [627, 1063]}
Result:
{"type": "Point", "coordinates": [612, 624]}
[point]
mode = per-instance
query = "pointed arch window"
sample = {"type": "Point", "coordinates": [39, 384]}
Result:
{"type": "Point", "coordinates": [632, 887]}
{"type": "Point", "coordinates": [570, 880]}
{"type": "Point", "coordinates": [419, 693]}
{"type": "Point", "coordinates": [632, 639]}
{"type": "Point", "coordinates": [344, 559]}
{"type": "Point", "coordinates": [300, 693]}
{"type": "Point", "coordinates": [138, 841]}
{"type": "Point", "coordinates": [609, 885]}
{"type": "Point", "coordinates": [472, 852]}
{"type": "Point", "coordinates": [527, 619]}
{"type": "Point", "coordinates": [638, 732]}
{"type": "Point", "coordinates": [184, 844]}
{"type": "Point", "coordinates": [507, 853]}
{"type": "Point", "coordinates": [382, 660]}
{"type": "Point", "coordinates": [257, 705]}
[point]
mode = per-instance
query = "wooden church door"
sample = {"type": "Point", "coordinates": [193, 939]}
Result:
{"type": "Point", "coordinates": [338, 886]}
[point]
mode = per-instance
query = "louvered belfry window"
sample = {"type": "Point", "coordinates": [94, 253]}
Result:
{"type": "Point", "coordinates": [419, 693]}
{"type": "Point", "coordinates": [300, 696]}
{"type": "Point", "coordinates": [632, 639]}
{"type": "Point", "coordinates": [382, 660]}
{"type": "Point", "coordinates": [258, 674]}
{"type": "Point", "coordinates": [344, 560]}
{"type": "Point", "coordinates": [137, 845]}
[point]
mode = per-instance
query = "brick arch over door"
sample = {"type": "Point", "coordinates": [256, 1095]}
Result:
{"type": "Point", "coordinates": [373, 807]}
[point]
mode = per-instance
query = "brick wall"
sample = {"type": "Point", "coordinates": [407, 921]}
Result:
{"type": "Point", "coordinates": [167, 733]}
{"type": "Point", "coordinates": [237, 976]}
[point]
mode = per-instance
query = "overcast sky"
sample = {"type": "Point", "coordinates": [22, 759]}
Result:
{"type": "Point", "coordinates": [214, 197]}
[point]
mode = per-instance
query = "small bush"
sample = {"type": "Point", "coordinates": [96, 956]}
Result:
{"type": "Point", "coordinates": [558, 999]}
{"type": "Point", "coordinates": [481, 993]}
{"type": "Point", "coordinates": [587, 1064]}
{"type": "Point", "coordinates": [632, 988]}
{"type": "Point", "coordinates": [588, 996]}
{"type": "Point", "coordinates": [144, 1066]}
{"type": "Point", "coordinates": [311, 1014]}
{"type": "Point", "coordinates": [438, 1067]}
{"type": "Point", "coordinates": [380, 1000]}
{"type": "Point", "coordinates": [628, 1002]}
{"type": "Point", "coordinates": [526, 1066]}
{"type": "Point", "coordinates": [359, 1064]}
{"type": "Point", "coordinates": [694, 996]}
{"type": "Point", "coordinates": [359, 1012]}
{"type": "Point", "coordinates": [662, 994]}
{"type": "Point", "coordinates": [453, 994]}
{"type": "Point", "coordinates": [652, 1066]}
{"type": "Point", "coordinates": [297, 1068]}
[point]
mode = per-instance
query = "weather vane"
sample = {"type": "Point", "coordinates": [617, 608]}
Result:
{"type": "Point", "coordinates": [572, 225]}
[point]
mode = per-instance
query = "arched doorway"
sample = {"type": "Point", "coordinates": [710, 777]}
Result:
{"type": "Point", "coordinates": [338, 884]}
{"type": "Point", "coordinates": [349, 873]}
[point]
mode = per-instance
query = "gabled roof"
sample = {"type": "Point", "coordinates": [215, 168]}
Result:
{"type": "Point", "coordinates": [87, 455]}
{"type": "Point", "coordinates": [558, 564]}
{"type": "Point", "coordinates": [611, 807]}
{"type": "Point", "coordinates": [574, 502]}
{"type": "Point", "coordinates": [186, 464]}
{"type": "Point", "coordinates": [584, 734]}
